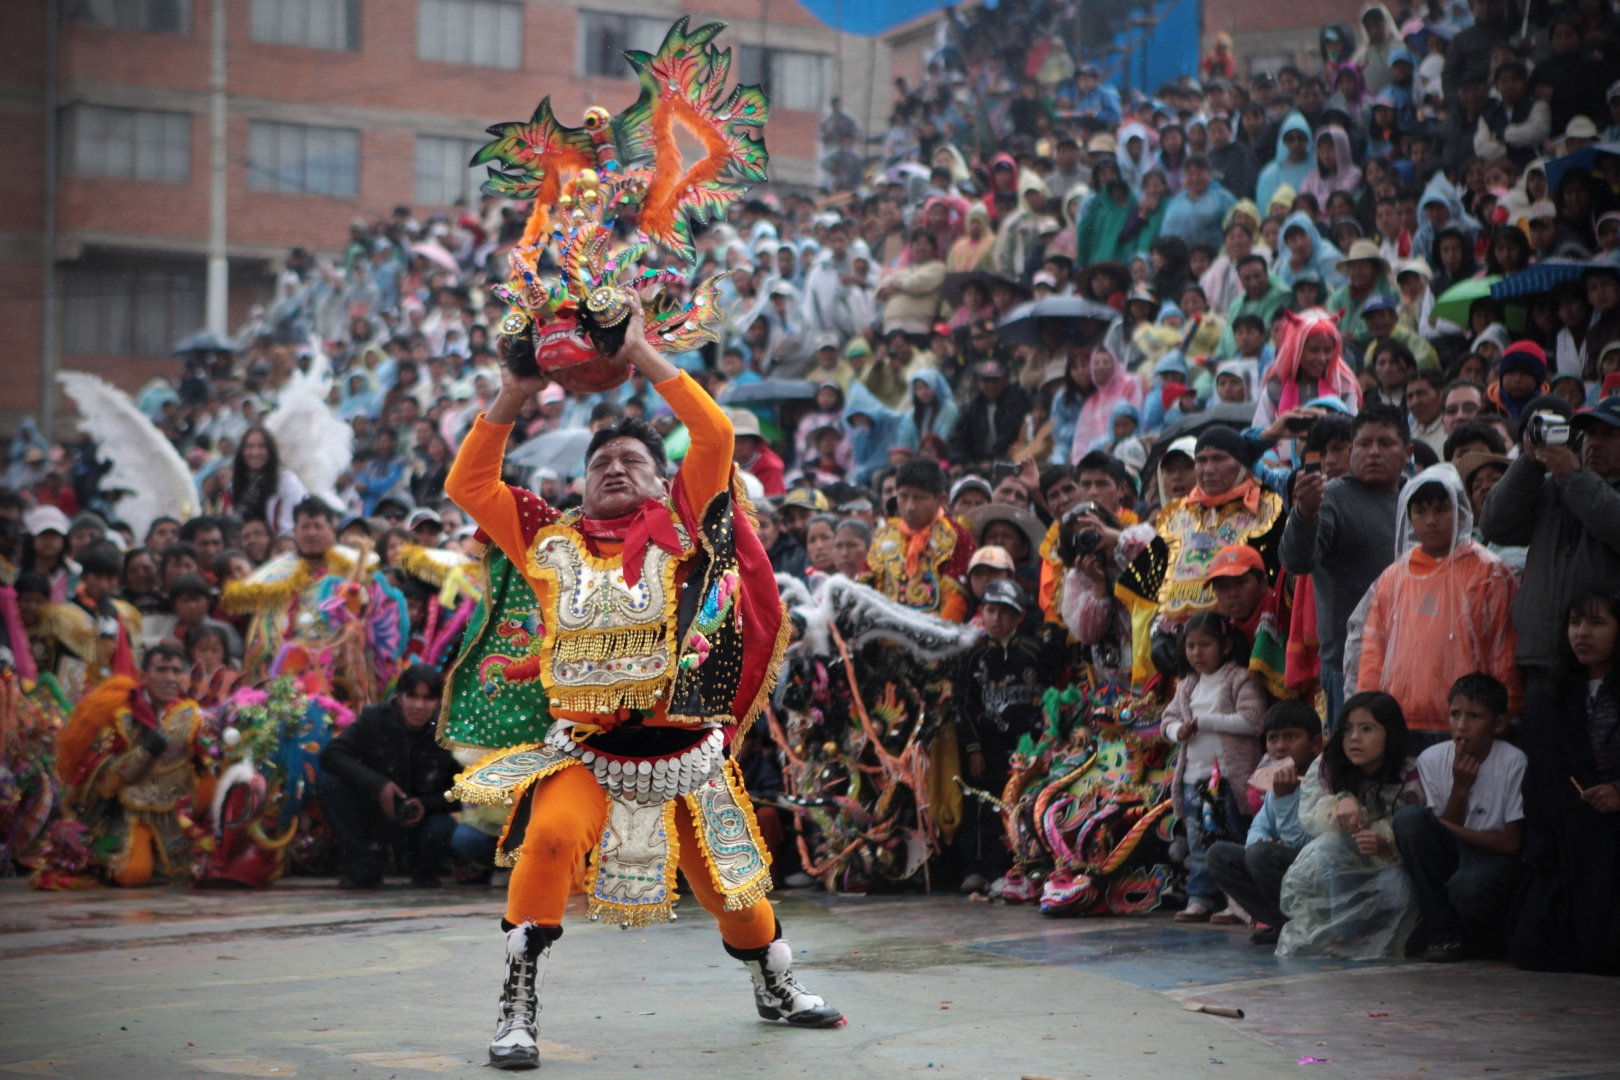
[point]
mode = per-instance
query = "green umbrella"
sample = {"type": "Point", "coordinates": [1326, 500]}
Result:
{"type": "Point", "coordinates": [1454, 303]}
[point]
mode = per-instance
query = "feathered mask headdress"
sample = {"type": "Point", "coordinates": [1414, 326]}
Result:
{"type": "Point", "coordinates": [583, 180]}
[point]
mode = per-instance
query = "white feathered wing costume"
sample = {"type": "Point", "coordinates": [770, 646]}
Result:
{"type": "Point", "coordinates": [144, 462]}
{"type": "Point", "coordinates": [312, 441]}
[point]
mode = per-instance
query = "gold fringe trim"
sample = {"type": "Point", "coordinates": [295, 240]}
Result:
{"type": "Point", "coordinates": [755, 890]}
{"type": "Point", "coordinates": [773, 671]}
{"type": "Point", "coordinates": [607, 699]}
{"type": "Point", "coordinates": [247, 597]}
{"type": "Point", "coordinates": [606, 644]}
{"type": "Point", "coordinates": [461, 791]}
{"type": "Point", "coordinates": [639, 914]}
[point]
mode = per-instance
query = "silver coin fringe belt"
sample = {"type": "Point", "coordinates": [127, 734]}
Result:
{"type": "Point", "coordinates": [632, 875]}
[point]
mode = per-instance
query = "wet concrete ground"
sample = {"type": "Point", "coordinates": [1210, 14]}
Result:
{"type": "Point", "coordinates": [305, 981]}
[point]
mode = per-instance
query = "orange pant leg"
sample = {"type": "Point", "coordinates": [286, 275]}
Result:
{"type": "Point", "coordinates": [138, 864]}
{"type": "Point", "coordinates": [752, 927]}
{"type": "Point", "coordinates": [565, 822]}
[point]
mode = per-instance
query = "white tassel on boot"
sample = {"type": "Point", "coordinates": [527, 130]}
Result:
{"type": "Point", "coordinates": [518, 1015]}
{"type": "Point", "coordinates": [780, 996]}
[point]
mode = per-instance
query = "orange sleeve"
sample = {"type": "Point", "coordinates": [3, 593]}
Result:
{"type": "Point", "coordinates": [1048, 587]}
{"type": "Point", "coordinates": [706, 470]}
{"type": "Point", "coordinates": [955, 607]}
{"type": "Point", "coordinates": [1370, 673]}
{"type": "Point", "coordinates": [474, 484]}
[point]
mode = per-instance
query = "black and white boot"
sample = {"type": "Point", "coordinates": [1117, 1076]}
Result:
{"type": "Point", "coordinates": [528, 947]}
{"type": "Point", "coordinates": [777, 994]}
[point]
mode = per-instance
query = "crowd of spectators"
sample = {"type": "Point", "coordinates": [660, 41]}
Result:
{"type": "Point", "coordinates": [1268, 446]}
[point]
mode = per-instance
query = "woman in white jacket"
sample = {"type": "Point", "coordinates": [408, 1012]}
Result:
{"type": "Point", "coordinates": [261, 486]}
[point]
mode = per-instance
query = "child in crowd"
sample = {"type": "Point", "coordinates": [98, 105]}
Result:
{"type": "Point", "coordinates": [1462, 849]}
{"type": "Point", "coordinates": [213, 673]}
{"type": "Point", "coordinates": [1346, 894]}
{"type": "Point", "coordinates": [1216, 715]}
{"type": "Point", "coordinates": [192, 599]}
{"type": "Point", "coordinates": [999, 699]}
{"type": "Point", "coordinates": [1441, 610]}
{"type": "Point", "coordinates": [1251, 873]}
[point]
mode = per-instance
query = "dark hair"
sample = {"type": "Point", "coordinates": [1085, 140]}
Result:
{"type": "Point", "coordinates": [207, 630]}
{"type": "Point", "coordinates": [1480, 687]}
{"type": "Point", "coordinates": [923, 473]}
{"type": "Point", "coordinates": [252, 489]}
{"type": "Point", "coordinates": [1399, 351]}
{"type": "Point", "coordinates": [32, 581]}
{"type": "Point", "coordinates": [1196, 161]}
{"type": "Point", "coordinates": [1220, 628]}
{"type": "Point", "coordinates": [1053, 473]}
{"type": "Point", "coordinates": [189, 531]}
{"type": "Point", "coordinates": [630, 427]}
{"type": "Point", "coordinates": [1568, 674]}
{"type": "Point", "coordinates": [1345, 778]}
{"type": "Point", "coordinates": [222, 565]}
{"type": "Point", "coordinates": [926, 234]}
{"type": "Point", "coordinates": [1428, 494]}
{"type": "Point", "coordinates": [1388, 415]}
{"type": "Point", "coordinates": [1330, 428]}
{"type": "Point", "coordinates": [416, 675]}
{"type": "Point", "coordinates": [254, 519]}
{"type": "Point", "coordinates": [159, 521]}
{"type": "Point", "coordinates": [1432, 376]}
{"type": "Point", "coordinates": [102, 559]}
{"type": "Point", "coordinates": [610, 410]}
{"type": "Point", "coordinates": [1290, 715]}
{"type": "Point", "coordinates": [161, 650]}
{"type": "Point", "coordinates": [314, 506]}
{"type": "Point", "coordinates": [1473, 431]}
{"type": "Point", "coordinates": [1097, 461]}
{"type": "Point", "coordinates": [1251, 320]}
{"type": "Point", "coordinates": [1470, 384]}
{"type": "Point", "coordinates": [189, 585]}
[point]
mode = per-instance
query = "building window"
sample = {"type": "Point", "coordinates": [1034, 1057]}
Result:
{"type": "Point", "coordinates": [314, 24]}
{"type": "Point", "coordinates": [604, 39]}
{"type": "Point", "coordinates": [151, 16]}
{"type": "Point", "coordinates": [792, 80]}
{"type": "Point", "coordinates": [442, 173]}
{"type": "Point", "coordinates": [483, 33]}
{"type": "Point", "coordinates": [138, 308]}
{"type": "Point", "coordinates": [131, 144]}
{"type": "Point", "coordinates": [299, 160]}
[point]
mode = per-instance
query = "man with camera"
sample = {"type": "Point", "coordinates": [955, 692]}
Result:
{"type": "Point", "coordinates": [1561, 496]}
{"type": "Point", "coordinates": [383, 784]}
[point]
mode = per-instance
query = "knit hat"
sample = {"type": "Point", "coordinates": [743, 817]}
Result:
{"type": "Point", "coordinates": [1224, 439]}
{"type": "Point", "coordinates": [1525, 356]}
{"type": "Point", "coordinates": [1170, 394]}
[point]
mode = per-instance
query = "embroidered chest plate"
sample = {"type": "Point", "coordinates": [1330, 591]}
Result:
{"type": "Point", "coordinates": [1194, 534]}
{"type": "Point", "coordinates": [171, 776]}
{"type": "Point", "coordinates": [922, 590]}
{"type": "Point", "coordinates": [607, 644]}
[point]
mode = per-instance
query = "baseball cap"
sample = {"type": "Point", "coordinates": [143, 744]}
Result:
{"type": "Point", "coordinates": [553, 393]}
{"type": "Point", "coordinates": [43, 519]}
{"type": "Point", "coordinates": [1378, 302]}
{"type": "Point", "coordinates": [992, 555]}
{"type": "Point", "coordinates": [971, 482]}
{"type": "Point", "coordinates": [990, 369]}
{"type": "Point", "coordinates": [827, 339]}
{"type": "Point", "coordinates": [1235, 560]}
{"type": "Point", "coordinates": [807, 497]}
{"type": "Point", "coordinates": [1606, 411]}
{"type": "Point", "coordinates": [940, 329]}
{"type": "Point", "coordinates": [1002, 591]}
{"type": "Point", "coordinates": [423, 515]}
{"type": "Point", "coordinates": [1044, 278]}
{"type": "Point", "coordinates": [744, 422]}
{"type": "Point", "coordinates": [1581, 127]}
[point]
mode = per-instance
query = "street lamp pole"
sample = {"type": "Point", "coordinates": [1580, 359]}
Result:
{"type": "Point", "coordinates": [218, 267]}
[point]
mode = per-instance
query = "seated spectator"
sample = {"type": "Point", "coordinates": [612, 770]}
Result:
{"type": "Point", "coordinates": [1440, 611]}
{"type": "Point", "coordinates": [1216, 714]}
{"type": "Point", "coordinates": [383, 784]}
{"type": "Point", "coordinates": [1001, 686]}
{"type": "Point", "coordinates": [851, 541]}
{"type": "Point", "coordinates": [1566, 507]}
{"type": "Point", "coordinates": [192, 601]}
{"type": "Point", "coordinates": [1346, 894]}
{"type": "Point", "coordinates": [1462, 849]}
{"type": "Point", "coordinates": [1258, 608]}
{"type": "Point", "coordinates": [1566, 915]}
{"type": "Point", "coordinates": [1251, 873]}
{"type": "Point", "coordinates": [213, 670]}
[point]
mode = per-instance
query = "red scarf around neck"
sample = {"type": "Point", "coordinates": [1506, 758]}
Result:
{"type": "Point", "coordinates": [650, 523]}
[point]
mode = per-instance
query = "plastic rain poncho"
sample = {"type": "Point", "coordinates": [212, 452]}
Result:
{"type": "Point", "coordinates": [1432, 621]}
{"type": "Point", "coordinates": [1339, 902]}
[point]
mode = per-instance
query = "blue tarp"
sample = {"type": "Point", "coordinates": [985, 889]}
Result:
{"type": "Point", "coordinates": [1170, 52]}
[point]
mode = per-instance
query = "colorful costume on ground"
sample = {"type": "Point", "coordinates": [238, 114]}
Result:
{"type": "Point", "coordinates": [32, 709]}
{"type": "Point", "coordinates": [925, 569]}
{"type": "Point", "coordinates": [655, 637]}
{"type": "Point", "coordinates": [343, 627]}
{"type": "Point", "coordinates": [136, 783]}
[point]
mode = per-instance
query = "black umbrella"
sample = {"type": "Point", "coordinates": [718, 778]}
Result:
{"type": "Point", "coordinates": [204, 341]}
{"type": "Point", "coordinates": [1083, 321]}
{"type": "Point", "coordinates": [954, 283]}
{"type": "Point", "coordinates": [769, 391]}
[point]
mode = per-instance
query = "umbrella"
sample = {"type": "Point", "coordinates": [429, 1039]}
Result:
{"type": "Point", "coordinates": [1584, 158]}
{"type": "Point", "coordinates": [563, 451]}
{"type": "Point", "coordinates": [1540, 278]}
{"type": "Point", "coordinates": [434, 253]}
{"type": "Point", "coordinates": [1453, 304]}
{"type": "Point", "coordinates": [1023, 324]}
{"type": "Point", "coordinates": [204, 341]}
{"type": "Point", "coordinates": [1238, 415]}
{"type": "Point", "coordinates": [954, 283]}
{"type": "Point", "coordinates": [769, 391]}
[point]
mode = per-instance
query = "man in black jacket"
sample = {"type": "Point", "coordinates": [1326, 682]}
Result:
{"type": "Point", "coordinates": [987, 427]}
{"type": "Point", "coordinates": [383, 784]}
